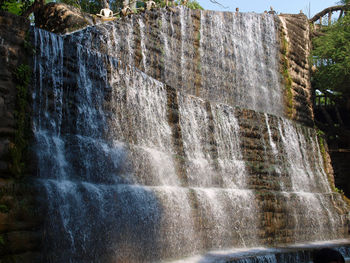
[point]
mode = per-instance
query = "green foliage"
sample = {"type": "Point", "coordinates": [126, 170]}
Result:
{"type": "Point", "coordinates": [27, 44]}
{"type": "Point", "coordinates": [192, 4]}
{"type": "Point", "coordinates": [320, 134]}
{"type": "Point", "coordinates": [4, 208]}
{"type": "Point", "coordinates": [88, 6]}
{"type": "Point", "coordinates": [331, 55]}
{"type": "Point", "coordinates": [340, 191]}
{"type": "Point", "coordinates": [23, 75]}
{"type": "Point", "coordinates": [160, 3]}
{"type": "Point", "coordinates": [286, 76]}
{"type": "Point", "coordinates": [15, 6]}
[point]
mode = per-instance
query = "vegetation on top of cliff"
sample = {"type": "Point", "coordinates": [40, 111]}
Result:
{"type": "Point", "coordinates": [26, 7]}
{"type": "Point", "coordinates": [331, 56]}
{"type": "Point", "coordinates": [194, 5]}
{"type": "Point", "coordinates": [15, 6]}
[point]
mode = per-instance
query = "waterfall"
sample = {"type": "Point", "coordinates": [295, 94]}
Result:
{"type": "Point", "coordinates": [300, 159]}
{"type": "Point", "coordinates": [225, 57]}
{"type": "Point", "coordinates": [140, 162]}
{"type": "Point", "coordinates": [244, 47]}
{"type": "Point", "coordinates": [271, 142]}
{"type": "Point", "coordinates": [308, 194]}
{"type": "Point", "coordinates": [79, 168]}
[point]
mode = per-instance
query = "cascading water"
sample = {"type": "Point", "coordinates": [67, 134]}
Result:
{"type": "Point", "coordinates": [225, 57]}
{"type": "Point", "coordinates": [245, 47]}
{"type": "Point", "coordinates": [134, 170]}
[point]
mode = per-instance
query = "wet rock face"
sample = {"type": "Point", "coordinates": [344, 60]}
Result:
{"type": "Point", "coordinates": [243, 67]}
{"type": "Point", "coordinates": [12, 53]}
{"type": "Point", "coordinates": [19, 235]}
{"type": "Point", "coordinates": [239, 68]}
{"type": "Point", "coordinates": [173, 48]}
{"type": "Point", "coordinates": [341, 170]}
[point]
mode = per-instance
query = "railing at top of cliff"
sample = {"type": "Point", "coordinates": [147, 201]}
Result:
{"type": "Point", "coordinates": [328, 12]}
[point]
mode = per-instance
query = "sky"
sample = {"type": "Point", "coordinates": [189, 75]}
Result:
{"type": "Point", "coordinates": [280, 6]}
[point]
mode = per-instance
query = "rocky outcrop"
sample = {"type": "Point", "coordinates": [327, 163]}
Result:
{"type": "Point", "coordinates": [60, 18]}
{"type": "Point", "coordinates": [19, 234]}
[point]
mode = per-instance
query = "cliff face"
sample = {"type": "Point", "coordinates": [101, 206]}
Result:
{"type": "Point", "coordinates": [19, 225]}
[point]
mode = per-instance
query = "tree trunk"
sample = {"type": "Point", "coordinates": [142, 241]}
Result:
{"type": "Point", "coordinates": [34, 8]}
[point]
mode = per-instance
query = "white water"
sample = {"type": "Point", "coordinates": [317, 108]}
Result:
{"type": "Point", "coordinates": [301, 159]}
{"type": "Point", "coordinates": [236, 62]}
{"type": "Point", "coordinates": [141, 120]}
{"type": "Point", "coordinates": [226, 134]}
{"type": "Point", "coordinates": [246, 49]}
{"type": "Point", "coordinates": [272, 143]}
{"type": "Point", "coordinates": [296, 253]}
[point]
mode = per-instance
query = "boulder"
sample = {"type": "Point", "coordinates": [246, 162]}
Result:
{"type": "Point", "coordinates": [61, 18]}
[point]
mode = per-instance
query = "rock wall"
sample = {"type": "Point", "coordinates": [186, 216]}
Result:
{"type": "Point", "coordinates": [265, 152]}
{"type": "Point", "coordinates": [294, 57]}
{"type": "Point", "coordinates": [19, 235]}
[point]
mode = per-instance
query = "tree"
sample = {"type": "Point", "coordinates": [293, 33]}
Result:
{"type": "Point", "coordinates": [331, 55]}
{"type": "Point", "coordinates": [88, 6]}
{"type": "Point", "coordinates": [16, 7]}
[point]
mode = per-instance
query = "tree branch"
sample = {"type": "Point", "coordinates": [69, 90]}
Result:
{"type": "Point", "coordinates": [217, 3]}
{"type": "Point", "coordinates": [33, 8]}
